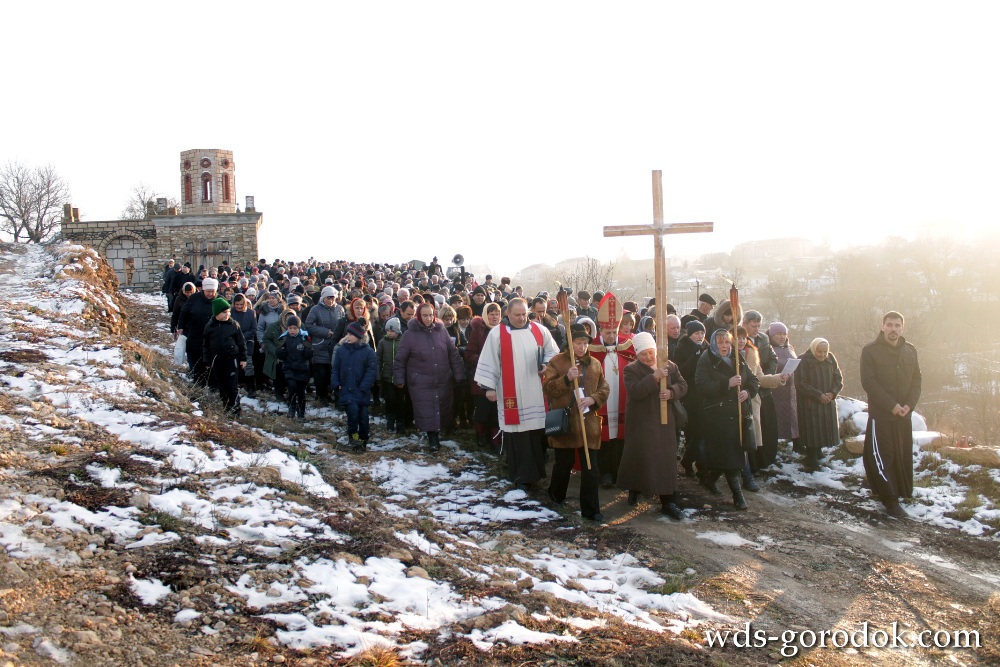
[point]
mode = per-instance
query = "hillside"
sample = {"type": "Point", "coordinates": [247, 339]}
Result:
{"type": "Point", "coordinates": [140, 527]}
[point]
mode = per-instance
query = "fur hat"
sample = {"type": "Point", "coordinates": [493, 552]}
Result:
{"type": "Point", "coordinates": [293, 321]}
{"type": "Point", "coordinates": [643, 341]}
{"type": "Point", "coordinates": [327, 291]}
{"type": "Point", "coordinates": [210, 284]}
{"type": "Point", "coordinates": [219, 305]}
{"type": "Point", "coordinates": [356, 329]}
{"type": "Point", "coordinates": [392, 324]}
{"type": "Point", "coordinates": [694, 325]}
{"type": "Point", "coordinates": [580, 331]}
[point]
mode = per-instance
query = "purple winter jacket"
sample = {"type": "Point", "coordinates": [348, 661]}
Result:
{"type": "Point", "coordinates": [428, 363]}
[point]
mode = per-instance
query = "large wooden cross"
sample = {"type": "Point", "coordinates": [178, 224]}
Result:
{"type": "Point", "coordinates": [657, 230]}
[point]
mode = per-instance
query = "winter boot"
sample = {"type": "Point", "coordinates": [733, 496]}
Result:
{"type": "Point", "coordinates": [434, 441]}
{"type": "Point", "coordinates": [633, 498]}
{"type": "Point", "coordinates": [390, 424]}
{"type": "Point", "coordinates": [670, 507]}
{"type": "Point", "coordinates": [749, 483]}
{"type": "Point", "coordinates": [481, 440]}
{"type": "Point", "coordinates": [733, 479]}
{"type": "Point", "coordinates": [708, 482]}
{"type": "Point", "coordinates": [358, 445]}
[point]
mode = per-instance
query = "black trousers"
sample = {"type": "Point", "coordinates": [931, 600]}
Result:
{"type": "Point", "coordinates": [296, 397]}
{"type": "Point", "coordinates": [321, 378]}
{"type": "Point", "coordinates": [590, 480]}
{"type": "Point", "coordinates": [610, 457]}
{"type": "Point", "coordinates": [391, 396]}
{"type": "Point", "coordinates": [226, 376]}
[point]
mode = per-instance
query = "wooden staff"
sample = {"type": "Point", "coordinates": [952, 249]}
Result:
{"type": "Point", "coordinates": [563, 299]}
{"type": "Point", "coordinates": [734, 305]}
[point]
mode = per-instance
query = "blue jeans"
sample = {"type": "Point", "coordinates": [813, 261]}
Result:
{"type": "Point", "coordinates": [357, 420]}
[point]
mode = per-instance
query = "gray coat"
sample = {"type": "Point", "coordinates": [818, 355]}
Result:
{"type": "Point", "coordinates": [649, 460]}
{"type": "Point", "coordinates": [320, 324]}
{"type": "Point", "coordinates": [266, 316]}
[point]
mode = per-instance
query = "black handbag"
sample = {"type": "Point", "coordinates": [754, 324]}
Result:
{"type": "Point", "coordinates": [557, 421]}
{"type": "Point", "coordinates": [680, 415]}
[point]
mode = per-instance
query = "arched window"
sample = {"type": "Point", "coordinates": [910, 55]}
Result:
{"type": "Point", "coordinates": [227, 195]}
{"type": "Point", "coordinates": [206, 187]}
{"type": "Point", "coordinates": [188, 192]}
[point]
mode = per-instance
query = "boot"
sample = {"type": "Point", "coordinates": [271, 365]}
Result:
{"type": "Point", "coordinates": [708, 482]}
{"type": "Point", "coordinates": [733, 479]}
{"type": "Point", "coordinates": [633, 498]}
{"type": "Point", "coordinates": [358, 446]}
{"type": "Point", "coordinates": [481, 440]}
{"type": "Point", "coordinates": [749, 483]}
{"type": "Point", "coordinates": [435, 443]}
{"type": "Point", "coordinates": [670, 508]}
{"type": "Point", "coordinates": [390, 424]}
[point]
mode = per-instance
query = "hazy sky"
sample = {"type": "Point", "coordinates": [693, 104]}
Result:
{"type": "Point", "coordinates": [512, 132]}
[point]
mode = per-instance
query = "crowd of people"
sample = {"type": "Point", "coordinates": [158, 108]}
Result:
{"type": "Point", "coordinates": [441, 354]}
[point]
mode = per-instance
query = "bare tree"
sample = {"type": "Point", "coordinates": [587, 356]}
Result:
{"type": "Point", "coordinates": [139, 197]}
{"type": "Point", "coordinates": [31, 201]}
{"type": "Point", "coordinates": [588, 274]}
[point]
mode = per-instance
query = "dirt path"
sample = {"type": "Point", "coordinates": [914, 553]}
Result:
{"type": "Point", "coordinates": [814, 561]}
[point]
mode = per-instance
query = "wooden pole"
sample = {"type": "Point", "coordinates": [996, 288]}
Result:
{"type": "Point", "coordinates": [660, 272]}
{"type": "Point", "coordinates": [734, 306]}
{"type": "Point", "coordinates": [563, 299]}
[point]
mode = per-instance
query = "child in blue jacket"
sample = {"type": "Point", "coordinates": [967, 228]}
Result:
{"type": "Point", "coordinates": [355, 370]}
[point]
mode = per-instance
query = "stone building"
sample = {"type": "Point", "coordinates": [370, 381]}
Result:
{"type": "Point", "coordinates": [208, 229]}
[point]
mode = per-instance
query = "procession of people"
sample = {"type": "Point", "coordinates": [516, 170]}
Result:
{"type": "Point", "coordinates": [712, 400]}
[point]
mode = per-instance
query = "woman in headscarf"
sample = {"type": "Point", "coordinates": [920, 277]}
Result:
{"type": "Point", "coordinates": [427, 363]}
{"type": "Point", "coordinates": [242, 313]}
{"type": "Point", "coordinates": [649, 460]}
{"type": "Point", "coordinates": [726, 412]}
{"type": "Point", "coordinates": [785, 400]}
{"type": "Point", "coordinates": [751, 356]}
{"type": "Point", "coordinates": [485, 414]}
{"type": "Point", "coordinates": [818, 381]}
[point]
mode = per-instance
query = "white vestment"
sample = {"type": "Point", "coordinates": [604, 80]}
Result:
{"type": "Point", "coordinates": [612, 367]}
{"type": "Point", "coordinates": [530, 401]}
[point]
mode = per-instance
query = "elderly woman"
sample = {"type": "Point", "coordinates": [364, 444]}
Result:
{"type": "Point", "coordinates": [785, 401]}
{"type": "Point", "coordinates": [818, 381]}
{"type": "Point", "coordinates": [428, 364]}
{"type": "Point", "coordinates": [558, 387]}
{"type": "Point", "coordinates": [649, 461]}
{"type": "Point", "coordinates": [726, 413]}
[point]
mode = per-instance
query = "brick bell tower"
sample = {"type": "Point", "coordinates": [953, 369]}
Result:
{"type": "Point", "coordinates": [208, 181]}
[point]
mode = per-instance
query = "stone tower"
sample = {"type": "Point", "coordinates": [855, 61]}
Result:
{"type": "Point", "coordinates": [208, 181]}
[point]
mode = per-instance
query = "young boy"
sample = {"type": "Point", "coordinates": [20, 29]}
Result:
{"type": "Point", "coordinates": [386, 356]}
{"type": "Point", "coordinates": [224, 351]}
{"type": "Point", "coordinates": [295, 351]}
{"type": "Point", "coordinates": [354, 372]}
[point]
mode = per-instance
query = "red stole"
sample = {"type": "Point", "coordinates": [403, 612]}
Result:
{"type": "Point", "coordinates": [508, 376]}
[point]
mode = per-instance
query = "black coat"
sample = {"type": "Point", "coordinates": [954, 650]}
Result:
{"type": "Point", "coordinates": [295, 354]}
{"type": "Point", "coordinates": [890, 375]}
{"type": "Point", "coordinates": [724, 450]}
{"type": "Point", "coordinates": [195, 316]}
{"type": "Point", "coordinates": [223, 340]}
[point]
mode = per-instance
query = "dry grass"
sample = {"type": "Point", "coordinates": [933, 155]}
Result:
{"type": "Point", "coordinates": [380, 656]}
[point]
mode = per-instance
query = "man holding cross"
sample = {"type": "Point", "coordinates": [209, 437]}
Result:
{"type": "Point", "coordinates": [509, 370]}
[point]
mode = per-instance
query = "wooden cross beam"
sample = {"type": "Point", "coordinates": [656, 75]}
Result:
{"type": "Point", "coordinates": [657, 230]}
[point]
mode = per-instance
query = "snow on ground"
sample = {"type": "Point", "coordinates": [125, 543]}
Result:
{"type": "Point", "coordinates": [77, 376]}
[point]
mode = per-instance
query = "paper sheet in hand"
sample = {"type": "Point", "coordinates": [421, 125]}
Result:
{"type": "Point", "coordinates": [790, 366]}
{"type": "Point", "coordinates": [579, 398]}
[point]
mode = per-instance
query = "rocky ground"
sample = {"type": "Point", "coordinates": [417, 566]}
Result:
{"type": "Point", "coordinates": [77, 450]}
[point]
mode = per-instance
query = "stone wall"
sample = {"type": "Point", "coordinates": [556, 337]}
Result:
{"type": "Point", "coordinates": [130, 246]}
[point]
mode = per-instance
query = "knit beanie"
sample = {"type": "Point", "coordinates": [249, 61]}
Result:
{"type": "Point", "coordinates": [643, 341]}
{"type": "Point", "coordinates": [210, 284]}
{"type": "Point", "coordinates": [327, 291]}
{"type": "Point", "coordinates": [777, 328]}
{"type": "Point", "coordinates": [356, 329]}
{"type": "Point", "coordinates": [293, 321]}
{"type": "Point", "coordinates": [693, 326]}
{"type": "Point", "coordinates": [219, 305]}
{"type": "Point", "coordinates": [392, 324]}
